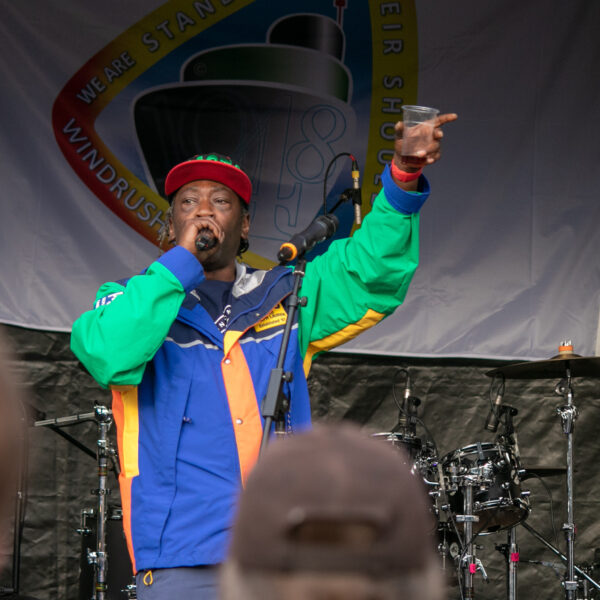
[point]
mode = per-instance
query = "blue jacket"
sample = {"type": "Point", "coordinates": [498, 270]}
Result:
{"type": "Point", "coordinates": [186, 397]}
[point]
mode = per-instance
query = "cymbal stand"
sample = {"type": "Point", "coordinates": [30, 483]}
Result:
{"type": "Point", "coordinates": [568, 415]}
{"type": "Point", "coordinates": [558, 553]}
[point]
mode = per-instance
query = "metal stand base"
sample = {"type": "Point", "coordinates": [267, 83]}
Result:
{"type": "Point", "coordinates": [558, 553]}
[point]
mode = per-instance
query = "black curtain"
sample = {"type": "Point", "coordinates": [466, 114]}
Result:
{"type": "Point", "coordinates": [454, 405]}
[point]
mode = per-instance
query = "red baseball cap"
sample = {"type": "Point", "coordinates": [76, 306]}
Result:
{"type": "Point", "coordinates": [213, 166]}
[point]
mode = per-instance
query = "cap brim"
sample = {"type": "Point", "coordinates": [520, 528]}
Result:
{"type": "Point", "coordinates": [195, 170]}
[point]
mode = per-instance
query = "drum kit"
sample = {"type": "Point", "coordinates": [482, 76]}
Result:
{"type": "Point", "coordinates": [476, 490]}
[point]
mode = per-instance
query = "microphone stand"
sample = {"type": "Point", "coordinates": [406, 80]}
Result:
{"type": "Point", "coordinates": [104, 452]}
{"type": "Point", "coordinates": [275, 405]}
{"type": "Point", "coordinates": [56, 424]}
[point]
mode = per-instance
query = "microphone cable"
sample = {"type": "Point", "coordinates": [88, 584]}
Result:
{"type": "Point", "coordinates": [329, 166]}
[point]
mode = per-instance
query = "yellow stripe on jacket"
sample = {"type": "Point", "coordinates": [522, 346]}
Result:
{"type": "Point", "coordinates": [342, 336]}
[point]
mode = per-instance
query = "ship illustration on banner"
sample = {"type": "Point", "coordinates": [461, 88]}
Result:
{"type": "Point", "coordinates": [282, 108]}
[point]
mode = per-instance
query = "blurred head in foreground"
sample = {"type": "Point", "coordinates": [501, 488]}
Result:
{"type": "Point", "coordinates": [11, 445]}
{"type": "Point", "coordinates": [332, 514]}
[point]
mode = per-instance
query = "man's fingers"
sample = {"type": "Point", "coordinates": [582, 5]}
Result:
{"type": "Point", "coordinates": [440, 120]}
{"type": "Point", "coordinates": [435, 156]}
{"type": "Point", "coordinates": [446, 118]}
{"type": "Point", "coordinates": [433, 148]}
{"type": "Point", "coordinates": [204, 223]}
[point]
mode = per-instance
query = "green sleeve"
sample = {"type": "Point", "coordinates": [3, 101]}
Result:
{"type": "Point", "coordinates": [116, 339]}
{"type": "Point", "coordinates": [359, 280]}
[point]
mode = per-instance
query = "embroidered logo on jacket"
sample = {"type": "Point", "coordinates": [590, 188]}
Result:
{"type": "Point", "coordinates": [106, 300]}
{"type": "Point", "coordinates": [276, 317]}
{"type": "Point", "coordinates": [222, 321]}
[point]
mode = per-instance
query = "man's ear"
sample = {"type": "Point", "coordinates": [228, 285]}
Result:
{"type": "Point", "coordinates": [245, 225]}
{"type": "Point", "coordinates": [170, 228]}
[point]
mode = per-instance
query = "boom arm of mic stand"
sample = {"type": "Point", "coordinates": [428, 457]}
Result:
{"type": "Point", "coordinates": [56, 424]}
{"type": "Point", "coordinates": [273, 408]}
{"type": "Point", "coordinates": [73, 441]}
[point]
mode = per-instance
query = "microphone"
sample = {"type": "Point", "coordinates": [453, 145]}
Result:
{"type": "Point", "coordinates": [322, 228]}
{"type": "Point", "coordinates": [407, 390]}
{"type": "Point", "coordinates": [407, 413]}
{"type": "Point", "coordinates": [205, 240]}
{"type": "Point", "coordinates": [356, 192]}
{"type": "Point", "coordinates": [410, 406]}
{"type": "Point", "coordinates": [493, 418]}
{"type": "Point", "coordinates": [403, 413]}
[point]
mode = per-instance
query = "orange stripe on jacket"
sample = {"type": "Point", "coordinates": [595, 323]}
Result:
{"type": "Point", "coordinates": [125, 413]}
{"type": "Point", "coordinates": [245, 416]}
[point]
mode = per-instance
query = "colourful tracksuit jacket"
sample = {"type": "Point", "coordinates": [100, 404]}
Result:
{"type": "Point", "coordinates": [186, 397]}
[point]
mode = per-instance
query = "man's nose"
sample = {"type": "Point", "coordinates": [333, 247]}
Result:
{"type": "Point", "coordinates": [204, 208]}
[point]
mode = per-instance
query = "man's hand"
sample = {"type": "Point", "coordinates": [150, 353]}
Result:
{"type": "Point", "coordinates": [194, 228]}
{"type": "Point", "coordinates": [431, 154]}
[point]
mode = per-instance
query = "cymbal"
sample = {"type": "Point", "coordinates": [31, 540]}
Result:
{"type": "Point", "coordinates": [542, 472]}
{"type": "Point", "coordinates": [553, 368]}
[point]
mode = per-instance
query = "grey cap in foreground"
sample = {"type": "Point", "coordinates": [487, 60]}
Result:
{"type": "Point", "coordinates": [333, 499]}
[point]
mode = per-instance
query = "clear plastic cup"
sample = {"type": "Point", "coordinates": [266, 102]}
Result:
{"type": "Point", "coordinates": [419, 123]}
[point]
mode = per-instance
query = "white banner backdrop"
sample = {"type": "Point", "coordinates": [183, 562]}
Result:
{"type": "Point", "coordinates": [510, 263]}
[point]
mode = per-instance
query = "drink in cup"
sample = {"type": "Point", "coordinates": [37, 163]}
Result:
{"type": "Point", "coordinates": [419, 123]}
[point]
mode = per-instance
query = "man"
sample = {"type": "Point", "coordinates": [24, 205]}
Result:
{"type": "Point", "coordinates": [187, 348]}
{"type": "Point", "coordinates": [332, 514]}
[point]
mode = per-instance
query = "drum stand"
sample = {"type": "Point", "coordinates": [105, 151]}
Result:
{"type": "Point", "coordinates": [510, 550]}
{"type": "Point", "coordinates": [469, 564]}
{"type": "Point", "coordinates": [513, 561]}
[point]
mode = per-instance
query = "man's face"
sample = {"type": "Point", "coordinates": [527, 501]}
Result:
{"type": "Point", "coordinates": [215, 210]}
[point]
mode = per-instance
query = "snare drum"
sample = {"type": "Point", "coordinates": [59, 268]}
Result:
{"type": "Point", "coordinates": [492, 469]}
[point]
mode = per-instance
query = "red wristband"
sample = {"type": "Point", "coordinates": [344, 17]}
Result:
{"type": "Point", "coordinates": [403, 176]}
